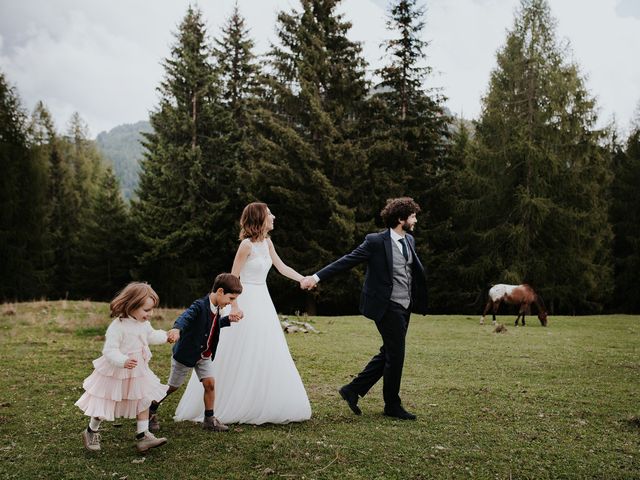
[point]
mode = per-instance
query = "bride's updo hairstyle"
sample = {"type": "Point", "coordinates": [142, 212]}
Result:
{"type": "Point", "coordinates": [131, 298]}
{"type": "Point", "coordinates": [252, 221]}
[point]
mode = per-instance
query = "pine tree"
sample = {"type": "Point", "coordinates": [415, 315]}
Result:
{"type": "Point", "coordinates": [238, 71]}
{"type": "Point", "coordinates": [45, 146]}
{"type": "Point", "coordinates": [307, 161]}
{"type": "Point", "coordinates": [625, 217]}
{"type": "Point", "coordinates": [107, 241]}
{"type": "Point", "coordinates": [184, 173]}
{"type": "Point", "coordinates": [22, 196]}
{"type": "Point", "coordinates": [409, 142]}
{"type": "Point", "coordinates": [74, 167]}
{"type": "Point", "coordinates": [241, 89]}
{"type": "Point", "coordinates": [538, 176]}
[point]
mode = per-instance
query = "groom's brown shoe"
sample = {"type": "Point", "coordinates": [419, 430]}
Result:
{"type": "Point", "coordinates": [351, 398]}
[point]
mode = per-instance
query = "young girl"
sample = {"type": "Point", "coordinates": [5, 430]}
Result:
{"type": "Point", "coordinates": [122, 385]}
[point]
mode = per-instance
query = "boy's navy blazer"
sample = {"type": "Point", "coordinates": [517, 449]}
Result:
{"type": "Point", "coordinates": [378, 281]}
{"type": "Point", "coordinates": [195, 325]}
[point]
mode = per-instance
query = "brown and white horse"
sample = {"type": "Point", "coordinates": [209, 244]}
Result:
{"type": "Point", "coordinates": [522, 295]}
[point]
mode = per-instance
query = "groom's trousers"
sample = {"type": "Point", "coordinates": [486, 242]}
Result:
{"type": "Point", "coordinates": [388, 363]}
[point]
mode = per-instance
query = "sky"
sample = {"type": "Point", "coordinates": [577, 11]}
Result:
{"type": "Point", "coordinates": [102, 59]}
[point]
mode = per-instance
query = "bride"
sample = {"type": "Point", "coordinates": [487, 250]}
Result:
{"type": "Point", "coordinates": [256, 379]}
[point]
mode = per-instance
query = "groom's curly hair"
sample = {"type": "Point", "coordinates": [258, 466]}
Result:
{"type": "Point", "coordinates": [398, 209]}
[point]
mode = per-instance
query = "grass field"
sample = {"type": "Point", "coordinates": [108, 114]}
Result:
{"type": "Point", "coordinates": [533, 402]}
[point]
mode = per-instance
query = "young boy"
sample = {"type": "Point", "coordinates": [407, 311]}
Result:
{"type": "Point", "coordinates": [196, 333]}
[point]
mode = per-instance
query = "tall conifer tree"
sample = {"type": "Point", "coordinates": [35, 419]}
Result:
{"type": "Point", "coordinates": [22, 203]}
{"type": "Point", "coordinates": [45, 145]}
{"type": "Point", "coordinates": [75, 165]}
{"type": "Point", "coordinates": [625, 217]}
{"type": "Point", "coordinates": [184, 173]}
{"type": "Point", "coordinates": [409, 140]}
{"type": "Point", "coordinates": [308, 161]}
{"type": "Point", "coordinates": [539, 177]}
{"type": "Point", "coordinates": [240, 83]}
{"type": "Point", "coordinates": [107, 241]}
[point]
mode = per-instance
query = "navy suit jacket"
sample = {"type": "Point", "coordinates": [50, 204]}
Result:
{"type": "Point", "coordinates": [195, 326]}
{"type": "Point", "coordinates": [378, 281]}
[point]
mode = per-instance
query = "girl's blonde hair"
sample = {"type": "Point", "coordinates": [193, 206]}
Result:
{"type": "Point", "coordinates": [252, 221]}
{"type": "Point", "coordinates": [131, 298]}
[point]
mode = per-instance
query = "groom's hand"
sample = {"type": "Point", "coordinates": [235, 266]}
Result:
{"type": "Point", "coordinates": [173, 335]}
{"type": "Point", "coordinates": [307, 283]}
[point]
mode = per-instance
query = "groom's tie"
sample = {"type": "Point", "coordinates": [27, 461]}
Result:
{"type": "Point", "coordinates": [404, 249]}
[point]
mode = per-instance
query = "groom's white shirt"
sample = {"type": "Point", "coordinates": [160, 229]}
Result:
{"type": "Point", "coordinates": [396, 239]}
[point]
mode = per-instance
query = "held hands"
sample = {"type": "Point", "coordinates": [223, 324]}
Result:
{"type": "Point", "coordinates": [308, 283]}
{"type": "Point", "coordinates": [131, 363]}
{"type": "Point", "coordinates": [173, 335]}
{"type": "Point", "coordinates": [236, 316]}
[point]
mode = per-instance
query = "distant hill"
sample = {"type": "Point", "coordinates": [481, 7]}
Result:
{"type": "Point", "coordinates": [122, 148]}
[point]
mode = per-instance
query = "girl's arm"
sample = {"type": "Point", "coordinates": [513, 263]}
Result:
{"type": "Point", "coordinates": [112, 340]}
{"type": "Point", "coordinates": [155, 337]}
{"type": "Point", "coordinates": [284, 269]}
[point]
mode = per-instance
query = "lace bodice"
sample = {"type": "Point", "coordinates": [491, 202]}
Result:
{"type": "Point", "coordinates": [258, 263]}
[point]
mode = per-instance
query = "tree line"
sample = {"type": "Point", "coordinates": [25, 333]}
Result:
{"type": "Point", "coordinates": [530, 192]}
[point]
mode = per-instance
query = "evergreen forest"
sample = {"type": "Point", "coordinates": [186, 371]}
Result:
{"type": "Point", "coordinates": [532, 191]}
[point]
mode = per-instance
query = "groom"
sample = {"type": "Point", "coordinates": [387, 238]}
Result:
{"type": "Point", "coordinates": [394, 286]}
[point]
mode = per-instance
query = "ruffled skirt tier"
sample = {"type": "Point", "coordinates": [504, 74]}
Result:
{"type": "Point", "coordinates": [112, 392]}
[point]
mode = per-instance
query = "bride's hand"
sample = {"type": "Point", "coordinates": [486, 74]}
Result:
{"type": "Point", "coordinates": [236, 316]}
{"type": "Point", "coordinates": [307, 283]}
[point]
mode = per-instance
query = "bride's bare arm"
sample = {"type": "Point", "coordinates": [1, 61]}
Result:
{"type": "Point", "coordinates": [244, 249]}
{"type": "Point", "coordinates": [284, 269]}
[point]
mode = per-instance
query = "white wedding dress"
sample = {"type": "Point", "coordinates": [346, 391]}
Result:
{"type": "Point", "coordinates": [255, 377]}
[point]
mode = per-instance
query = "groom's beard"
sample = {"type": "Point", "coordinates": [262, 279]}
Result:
{"type": "Point", "coordinates": [407, 228]}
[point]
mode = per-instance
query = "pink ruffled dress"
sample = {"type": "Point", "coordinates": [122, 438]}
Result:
{"type": "Point", "coordinates": [113, 391]}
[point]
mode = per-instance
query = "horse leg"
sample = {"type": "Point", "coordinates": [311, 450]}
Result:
{"type": "Point", "coordinates": [524, 308]}
{"type": "Point", "coordinates": [496, 305]}
{"type": "Point", "coordinates": [486, 309]}
{"type": "Point", "coordinates": [518, 317]}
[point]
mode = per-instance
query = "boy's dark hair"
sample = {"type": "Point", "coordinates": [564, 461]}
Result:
{"type": "Point", "coordinates": [227, 282]}
{"type": "Point", "coordinates": [398, 209]}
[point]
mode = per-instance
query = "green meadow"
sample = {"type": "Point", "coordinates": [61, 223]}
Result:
{"type": "Point", "coordinates": [526, 403]}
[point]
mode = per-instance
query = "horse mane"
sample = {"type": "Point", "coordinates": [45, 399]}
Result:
{"type": "Point", "coordinates": [539, 300]}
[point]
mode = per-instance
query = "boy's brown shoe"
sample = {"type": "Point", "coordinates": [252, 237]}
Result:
{"type": "Point", "coordinates": [213, 424]}
{"type": "Point", "coordinates": [91, 440]}
{"type": "Point", "coordinates": [149, 441]}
